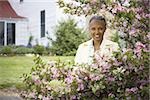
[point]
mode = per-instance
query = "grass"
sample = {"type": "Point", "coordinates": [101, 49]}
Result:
{"type": "Point", "coordinates": [12, 68]}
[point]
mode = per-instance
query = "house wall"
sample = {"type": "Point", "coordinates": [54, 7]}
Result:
{"type": "Point", "coordinates": [31, 10]}
{"type": "Point", "coordinates": [22, 35]}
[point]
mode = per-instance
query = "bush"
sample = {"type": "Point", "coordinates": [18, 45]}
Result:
{"type": "Point", "coordinates": [68, 38]}
{"type": "Point", "coordinates": [39, 49]}
{"type": "Point", "coordinates": [23, 50]}
{"type": "Point", "coordinates": [6, 50]}
{"type": "Point", "coordinates": [106, 79]}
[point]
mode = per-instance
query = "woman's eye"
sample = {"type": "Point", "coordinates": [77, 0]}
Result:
{"type": "Point", "coordinates": [100, 28]}
{"type": "Point", "coordinates": [92, 28]}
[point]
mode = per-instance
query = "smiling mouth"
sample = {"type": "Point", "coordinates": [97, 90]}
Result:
{"type": "Point", "coordinates": [97, 36]}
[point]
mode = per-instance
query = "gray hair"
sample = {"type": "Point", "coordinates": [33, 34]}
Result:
{"type": "Point", "coordinates": [100, 18]}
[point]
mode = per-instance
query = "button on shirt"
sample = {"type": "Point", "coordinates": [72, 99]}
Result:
{"type": "Point", "coordinates": [85, 52]}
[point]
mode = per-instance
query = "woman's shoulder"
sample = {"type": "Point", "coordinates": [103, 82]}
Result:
{"type": "Point", "coordinates": [111, 44]}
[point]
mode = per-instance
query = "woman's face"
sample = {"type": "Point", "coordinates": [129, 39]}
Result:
{"type": "Point", "coordinates": [97, 29]}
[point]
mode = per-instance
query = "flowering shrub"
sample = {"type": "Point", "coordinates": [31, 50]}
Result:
{"type": "Point", "coordinates": [111, 78]}
{"type": "Point", "coordinates": [125, 75]}
{"type": "Point", "coordinates": [44, 81]}
{"type": "Point", "coordinates": [131, 20]}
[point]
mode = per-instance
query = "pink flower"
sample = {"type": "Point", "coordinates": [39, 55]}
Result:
{"type": "Point", "coordinates": [111, 79]}
{"type": "Point", "coordinates": [106, 66]}
{"type": "Point", "coordinates": [132, 32]}
{"type": "Point", "coordinates": [138, 16]}
{"type": "Point", "coordinates": [38, 82]}
{"type": "Point", "coordinates": [94, 77]}
{"type": "Point", "coordinates": [117, 63]}
{"type": "Point", "coordinates": [147, 15]}
{"type": "Point", "coordinates": [36, 79]}
{"type": "Point", "coordinates": [95, 65]}
{"type": "Point", "coordinates": [80, 87]}
{"type": "Point", "coordinates": [73, 97]}
{"type": "Point", "coordinates": [126, 3]}
{"type": "Point", "coordinates": [79, 80]}
{"type": "Point", "coordinates": [125, 23]}
{"type": "Point", "coordinates": [139, 45]}
{"type": "Point", "coordinates": [111, 95]}
{"type": "Point", "coordinates": [120, 8]}
{"type": "Point", "coordinates": [114, 10]}
{"type": "Point", "coordinates": [69, 79]}
{"type": "Point", "coordinates": [46, 98]}
{"type": "Point", "coordinates": [138, 48]}
{"type": "Point", "coordinates": [141, 67]}
{"type": "Point", "coordinates": [55, 72]}
{"type": "Point", "coordinates": [139, 10]}
{"type": "Point", "coordinates": [85, 78]}
{"type": "Point", "coordinates": [132, 90]}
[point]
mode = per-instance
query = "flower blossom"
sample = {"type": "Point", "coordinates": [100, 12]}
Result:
{"type": "Point", "coordinates": [80, 86]}
{"type": "Point", "coordinates": [73, 97]}
{"type": "Point", "coordinates": [126, 3]}
{"type": "Point", "coordinates": [69, 79]}
{"type": "Point", "coordinates": [117, 63]}
{"type": "Point", "coordinates": [94, 77]}
{"type": "Point", "coordinates": [55, 72]}
{"type": "Point", "coordinates": [138, 16]}
{"type": "Point", "coordinates": [46, 98]}
{"type": "Point", "coordinates": [138, 48]}
{"type": "Point", "coordinates": [120, 8]}
{"type": "Point", "coordinates": [132, 90]}
{"type": "Point", "coordinates": [36, 79]}
{"type": "Point", "coordinates": [111, 79]}
{"type": "Point", "coordinates": [133, 31]}
{"type": "Point", "coordinates": [111, 95]}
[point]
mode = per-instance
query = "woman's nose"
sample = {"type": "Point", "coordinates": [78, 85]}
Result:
{"type": "Point", "coordinates": [97, 31]}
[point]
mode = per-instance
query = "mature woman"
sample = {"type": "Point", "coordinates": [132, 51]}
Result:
{"type": "Point", "coordinates": [86, 50]}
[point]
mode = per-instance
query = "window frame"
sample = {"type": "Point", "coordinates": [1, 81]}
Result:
{"type": "Point", "coordinates": [42, 23]}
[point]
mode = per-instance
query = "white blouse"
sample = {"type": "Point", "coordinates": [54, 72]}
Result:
{"type": "Point", "coordinates": [85, 52]}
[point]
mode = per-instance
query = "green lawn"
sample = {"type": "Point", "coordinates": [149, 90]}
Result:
{"type": "Point", "coordinates": [12, 68]}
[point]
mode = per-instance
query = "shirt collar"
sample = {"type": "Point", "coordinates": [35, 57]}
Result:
{"type": "Point", "coordinates": [101, 46]}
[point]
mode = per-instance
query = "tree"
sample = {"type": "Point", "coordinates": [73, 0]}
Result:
{"type": "Point", "coordinates": [68, 38]}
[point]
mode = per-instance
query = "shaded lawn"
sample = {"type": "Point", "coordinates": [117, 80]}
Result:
{"type": "Point", "coordinates": [12, 68]}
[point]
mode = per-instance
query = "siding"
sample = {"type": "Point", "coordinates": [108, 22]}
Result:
{"type": "Point", "coordinates": [31, 10]}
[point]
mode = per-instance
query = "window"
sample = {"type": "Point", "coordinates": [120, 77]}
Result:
{"type": "Point", "coordinates": [21, 1]}
{"type": "Point", "coordinates": [1, 33]}
{"type": "Point", "coordinates": [7, 34]}
{"type": "Point", "coordinates": [43, 23]}
{"type": "Point", "coordinates": [10, 33]}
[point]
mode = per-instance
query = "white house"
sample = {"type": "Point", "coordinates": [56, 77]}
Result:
{"type": "Point", "coordinates": [20, 19]}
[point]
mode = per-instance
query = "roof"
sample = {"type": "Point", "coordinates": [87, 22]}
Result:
{"type": "Point", "coordinates": [6, 10]}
